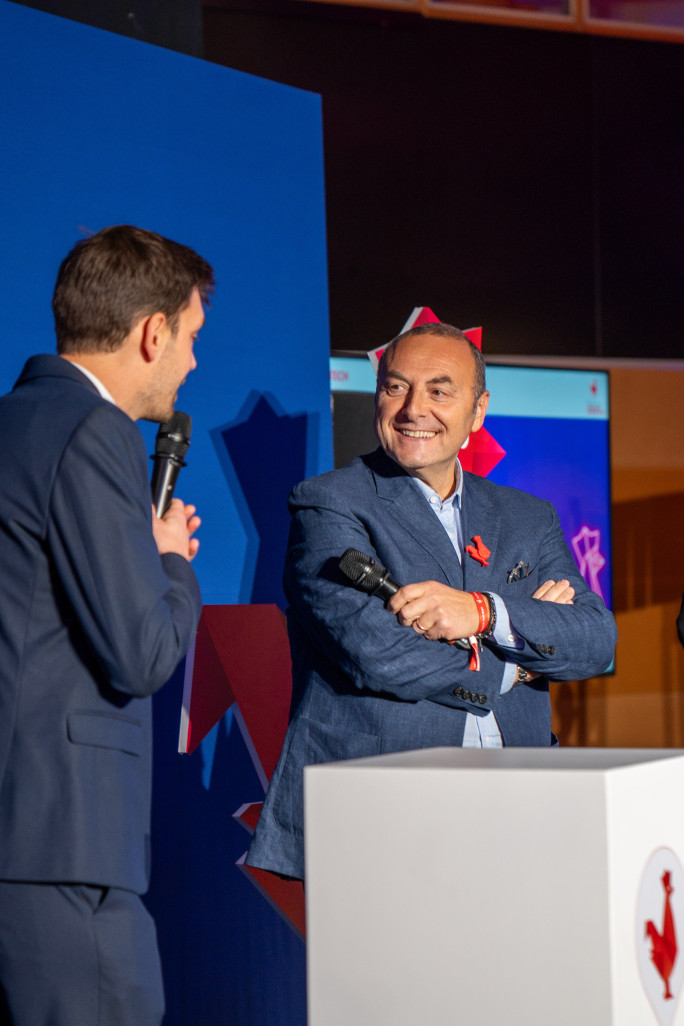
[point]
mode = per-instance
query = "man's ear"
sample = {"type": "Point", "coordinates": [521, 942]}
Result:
{"type": "Point", "coordinates": [480, 411]}
{"type": "Point", "coordinates": [154, 334]}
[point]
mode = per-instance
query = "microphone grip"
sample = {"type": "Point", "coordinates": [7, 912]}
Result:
{"type": "Point", "coordinates": [165, 473]}
{"type": "Point", "coordinates": [386, 588]}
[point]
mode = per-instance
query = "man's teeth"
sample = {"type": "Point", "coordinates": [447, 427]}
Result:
{"type": "Point", "coordinates": [417, 434]}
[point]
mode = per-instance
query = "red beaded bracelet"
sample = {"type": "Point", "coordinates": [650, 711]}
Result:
{"type": "Point", "coordinates": [482, 609]}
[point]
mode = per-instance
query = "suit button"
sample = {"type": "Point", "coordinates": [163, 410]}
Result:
{"type": "Point", "coordinates": [482, 699]}
{"type": "Point", "coordinates": [551, 649]}
{"type": "Point", "coordinates": [458, 692]}
{"type": "Point", "coordinates": [468, 697]}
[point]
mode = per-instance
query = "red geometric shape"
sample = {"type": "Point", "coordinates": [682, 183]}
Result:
{"type": "Point", "coordinates": [248, 815]}
{"type": "Point", "coordinates": [482, 453]}
{"type": "Point", "coordinates": [242, 659]}
{"type": "Point", "coordinates": [285, 896]}
{"type": "Point", "coordinates": [420, 315]}
{"type": "Point", "coordinates": [209, 695]}
{"type": "Point", "coordinates": [424, 315]}
{"type": "Point", "coordinates": [475, 336]}
{"type": "Point", "coordinates": [242, 656]}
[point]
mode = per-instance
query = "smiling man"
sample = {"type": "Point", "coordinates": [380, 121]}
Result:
{"type": "Point", "coordinates": [484, 567]}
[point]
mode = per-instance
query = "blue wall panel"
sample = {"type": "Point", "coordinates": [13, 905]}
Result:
{"type": "Point", "coordinates": [96, 130]}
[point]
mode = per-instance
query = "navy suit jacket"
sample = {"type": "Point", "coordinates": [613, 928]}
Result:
{"type": "Point", "coordinates": [363, 684]}
{"type": "Point", "coordinates": [92, 622]}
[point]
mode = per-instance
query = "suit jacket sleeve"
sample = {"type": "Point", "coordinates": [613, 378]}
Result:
{"type": "Point", "coordinates": [561, 642]}
{"type": "Point", "coordinates": [357, 633]}
{"type": "Point", "coordinates": [138, 611]}
{"type": "Point", "coordinates": [353, 630]}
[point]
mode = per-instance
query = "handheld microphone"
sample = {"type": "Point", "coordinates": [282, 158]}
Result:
{"type": "Point", "coordinates": [367, 575]}
{"type": "Point", "coordinates": [173, 440]}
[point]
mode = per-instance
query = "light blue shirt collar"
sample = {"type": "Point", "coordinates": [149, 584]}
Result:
{"type": "Point", "coordinates": [435, 499]}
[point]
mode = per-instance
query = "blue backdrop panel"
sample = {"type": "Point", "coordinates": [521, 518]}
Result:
{"type": "Point", "coordinates": [96, 130]}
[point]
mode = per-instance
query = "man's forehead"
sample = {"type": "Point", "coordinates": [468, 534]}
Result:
{"type": "Point", "coordinates": [440, 358]}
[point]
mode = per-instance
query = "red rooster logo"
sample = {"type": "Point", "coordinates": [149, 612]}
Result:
{"type": "Point", "coordinates": [664, 945]}
{"type": "Point", "coordinates": [479, 551]}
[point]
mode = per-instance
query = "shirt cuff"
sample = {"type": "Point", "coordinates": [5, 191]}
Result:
{"type": "Point", "coordinates": [508, 679]}
{"type": "Point", "coordinates": [504, 634]}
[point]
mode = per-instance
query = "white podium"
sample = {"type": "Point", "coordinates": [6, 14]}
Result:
{"type": "Point", "coordinates": [517, 887]}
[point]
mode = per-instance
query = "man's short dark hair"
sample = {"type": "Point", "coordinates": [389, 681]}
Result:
{"type": "Point", "coordinates": [443, 331]}
{"type": "Point", "coordinates": [112, 279]}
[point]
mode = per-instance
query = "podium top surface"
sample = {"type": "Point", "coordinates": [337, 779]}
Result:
{"type": "Point", "coordinates": [526, 759]}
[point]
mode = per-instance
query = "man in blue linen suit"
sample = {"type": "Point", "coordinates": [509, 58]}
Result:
{"type": "Point", "coordinates": [99, 603]}
{"type": "Point", "coordinates": [370, 679]}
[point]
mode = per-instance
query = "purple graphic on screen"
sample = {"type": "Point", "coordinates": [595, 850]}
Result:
{"type": "Point", "coordinates": [586, 546]}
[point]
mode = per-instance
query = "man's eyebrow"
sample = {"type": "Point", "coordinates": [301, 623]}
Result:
{"type": "Point", "coordinates": [442, 379]}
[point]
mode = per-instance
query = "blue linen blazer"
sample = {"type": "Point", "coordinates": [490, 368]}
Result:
{"type": "Point", "coordinates": [364, 685]}
{"type": "Point", "coordinates": [92, 622]}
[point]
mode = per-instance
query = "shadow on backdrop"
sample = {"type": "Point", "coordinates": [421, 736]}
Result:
{"type": "Point", "coordinates": [263, 453]}
{"type": "Point", "coordinates": [217, 922]}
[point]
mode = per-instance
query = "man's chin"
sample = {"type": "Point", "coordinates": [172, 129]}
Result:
{"type": "Point", "coordinates": [158, 416]}
{"type": "Point", "coordinates": [409, 464]}
{"type": "Point", "coordinates": [410, 457]}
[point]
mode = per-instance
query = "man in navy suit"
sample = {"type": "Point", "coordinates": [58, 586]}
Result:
{"type": "Point", "coordinates": [483, 566]}
{"type": "Point", "coordinates": [98, 603]}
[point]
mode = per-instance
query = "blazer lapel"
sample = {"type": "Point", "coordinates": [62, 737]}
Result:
{"type": "Point", "coordinates": [409, 508]}
{"type": "Point", "coordinates": [479, 517]}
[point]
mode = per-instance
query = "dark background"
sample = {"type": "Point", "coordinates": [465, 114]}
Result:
{"type": "Point", "coordinates": [528, 181]}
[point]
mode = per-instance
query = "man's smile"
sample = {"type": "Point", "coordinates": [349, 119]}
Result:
{"type": "Point", "coordinates": [416, 434]}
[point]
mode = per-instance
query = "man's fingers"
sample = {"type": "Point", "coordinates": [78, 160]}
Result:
{"type": "Point", "coordinates": [561, 592]}
{"type": "Point", "coordinates": [400, 599]}
{"type": "Point", "coordinates": [543, 589]}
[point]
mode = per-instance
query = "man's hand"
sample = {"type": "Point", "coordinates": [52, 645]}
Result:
{"type": "Point", "coordinates": [555, 591]}
{"type": "Point", "coordinates": [173, 532]}
{"type": "Point", "coordinates": [435, 610]}
{"type": "Point", "coordinates": [550, 591]}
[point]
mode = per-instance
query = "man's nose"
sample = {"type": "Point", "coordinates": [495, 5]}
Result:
{"type": "Point", "coordinates": [415, 405]}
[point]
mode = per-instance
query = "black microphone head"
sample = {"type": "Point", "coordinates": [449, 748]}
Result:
{"type": "Point", "coordinates": [362, 571]}
{"type": "Point", "coordinates": [173, 436]}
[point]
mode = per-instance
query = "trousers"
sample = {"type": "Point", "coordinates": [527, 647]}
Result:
{"type": "Point", "coordinates": [75, 954]}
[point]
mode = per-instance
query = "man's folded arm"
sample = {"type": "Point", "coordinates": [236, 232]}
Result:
{"type": "Point", "coordinates": [354, 630]}
{"type": "Point", "coordinates": [558, 641]}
